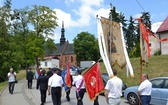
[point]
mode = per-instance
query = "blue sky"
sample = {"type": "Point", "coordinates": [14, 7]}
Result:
{"type": "Point", "coordinates": [80, 15]}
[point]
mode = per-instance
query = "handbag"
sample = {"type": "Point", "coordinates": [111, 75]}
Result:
{"type": "Point", "coordinates": [16, 81]}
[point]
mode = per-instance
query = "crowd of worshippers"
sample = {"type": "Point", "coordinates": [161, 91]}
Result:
{"type": "Point", "coordinates": [54, 80]}
{"type": "Point", "coordinates": [52, 83]}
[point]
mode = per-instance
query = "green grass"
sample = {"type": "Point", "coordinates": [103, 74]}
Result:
{"type": "Point", "coordinates": [156, 67]}
{"type": "Point", "coordinates": [20, 75]}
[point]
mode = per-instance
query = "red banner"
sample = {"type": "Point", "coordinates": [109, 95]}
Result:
{"type": "Point", "coordinates": [68, 76]}
{"type": "Point", "coordinates": [93, 81]}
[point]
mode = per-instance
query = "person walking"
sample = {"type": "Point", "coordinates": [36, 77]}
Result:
{"type": "Point", "coordinates": [113, 90]}
{"type": "Point", "coordinates": [29, 78]}
{"type": "Point", "coordinates": [69, 90]}
{"type": "Point", "coordinates": [55, 84]}
{"type": "Point", "coordinates": [144, 90]}
{"type": "Point", "coordinates": [96, 102]}
{"type": "Point", "coordinates": [42, 85]}
{"type": "Point", "coordinates": [49, 73]}
{"type": "Point", "coordinates": [11, 79]}
{"type": "Point", "coordinates": [80, 87]}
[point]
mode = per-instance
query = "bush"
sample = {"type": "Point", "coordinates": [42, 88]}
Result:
{"type": "Point", "coordinates": [158, 52]}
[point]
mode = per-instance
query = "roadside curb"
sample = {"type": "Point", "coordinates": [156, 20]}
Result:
{"type": "Point", "coordinates": [2, 90]}
{"type": "Point", "coordinates": [31, 97]}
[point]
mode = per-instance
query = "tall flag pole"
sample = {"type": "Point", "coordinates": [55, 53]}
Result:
{"type": "Point", "coordinates": [144, 44]}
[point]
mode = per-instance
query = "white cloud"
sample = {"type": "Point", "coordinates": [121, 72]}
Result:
{"type": "Point", "coordinates": [92, 2]}
{"type": "Point", "coordinates": [79, 16]}
{"type": "Point", "coordinates": [102, 12]}
{"type": "Point", "coordinates": [66, 17]}
{"type": "Point", "coordinates": [155, 26]}
{"type": "Point", "coordinates": [137, 15]}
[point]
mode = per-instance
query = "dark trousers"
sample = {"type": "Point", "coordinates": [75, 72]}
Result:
{"type": "Point", "coordinates": [67, 94]}
{"type": "Point", "coordinates": [43, 95]}
{"type": "Point", "coordinates": [96, 101]}
{"type": "Point", "coordinates": [56, 95]}
{"type": "Point", "coordinates": [29, 83]}
{"type": "Point", "coordinates": [145, 100]}
{"type": "Point", "coordinates": [11, 87]}
{"type": "Point", "coordinates": [79, 96]}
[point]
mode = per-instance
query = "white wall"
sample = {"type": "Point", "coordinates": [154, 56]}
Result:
{"type": "Point", "coordinates": [154, 44]}
{"type": "Point", "coordinates": [50, 63]}
{"type": "Point", "coordinates": [164, 45]}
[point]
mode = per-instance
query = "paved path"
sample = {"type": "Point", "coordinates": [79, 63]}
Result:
{"type": "Point", "coordinates": [24, 96]}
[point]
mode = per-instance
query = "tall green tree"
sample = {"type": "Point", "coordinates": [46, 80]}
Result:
{"type": "Point", "coordinates": [10, 54]}
{"type": "Point", "coordinates": [146, 19]}
{"type": "Point", "coordinates": [21, 32]}
{"type": "Point", "coordinates": [86, 47]}
{"type": "Point", "coordinates": [43, 20]}
{"type": "Point", "coordinates": [131, 36]}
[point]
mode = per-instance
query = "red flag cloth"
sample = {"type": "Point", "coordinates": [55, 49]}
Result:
{"type": "Point", "coordinates": [93, 81]}
{"type": "Point", "coordinates": [145, 33]}
{"type": "Point", "coordinates": [164, 39]}
{"type": "Point", "coordinates": [38, 71]}
{"type": "Point", "coordinates": [68, 76]}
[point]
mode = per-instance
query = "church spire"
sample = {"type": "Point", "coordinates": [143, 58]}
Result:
{"type": "Point", "coordinates": [62, 39]}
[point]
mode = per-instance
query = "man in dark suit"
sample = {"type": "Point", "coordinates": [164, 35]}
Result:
{"type": "Point", "coordinates": [29, 78]}
{"type": "Point", "coordinates": [42, 82]}
{"type": "Point", "coordinates": [49, 73]}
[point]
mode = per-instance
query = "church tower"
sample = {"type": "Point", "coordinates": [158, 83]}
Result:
{"type": "Point", "coordinates": [62, 39]}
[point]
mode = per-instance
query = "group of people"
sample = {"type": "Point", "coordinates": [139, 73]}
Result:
{"type": "Point", "coordinates": [54, 83]}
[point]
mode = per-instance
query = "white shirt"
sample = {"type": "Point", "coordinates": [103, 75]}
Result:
{"type": "Point", "coordinates": [145, 88]}
{"type": "Point", "coordinates": [114, 86]}
{"type": "Point", "coordinates": [55, 81]}
{"type": "Point", "coordinates": [77, 81]}
{"type": "Point", "coordinates": [11, 77]}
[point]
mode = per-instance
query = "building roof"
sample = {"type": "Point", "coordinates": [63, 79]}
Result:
{"type": "Point", "coordinates": [64, 47]}
{"type": "Point", "coordinates": [163, 27]}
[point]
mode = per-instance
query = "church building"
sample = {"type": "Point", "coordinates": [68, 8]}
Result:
{"type": "Point", "coordinates": [65, 51]}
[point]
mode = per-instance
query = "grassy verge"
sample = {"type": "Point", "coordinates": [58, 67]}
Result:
{"type": "Point", "coordinates": [156, 67]}
{"type": "Point", "coordinates": [20, 75]}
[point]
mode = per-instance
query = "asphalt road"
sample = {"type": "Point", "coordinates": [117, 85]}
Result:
{"type": "Point", "coordinates": [24, 96]}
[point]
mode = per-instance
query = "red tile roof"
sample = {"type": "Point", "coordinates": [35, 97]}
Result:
{"type": "Point", "coordinates": [163, 27]}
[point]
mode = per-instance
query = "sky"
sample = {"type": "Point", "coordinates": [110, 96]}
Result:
{"type": "Point", "coordinates": [80, 15]}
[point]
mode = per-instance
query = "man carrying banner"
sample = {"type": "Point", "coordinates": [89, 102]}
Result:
{"type": "Point", "coordinates": [67, 88]}
{"type": "Point", "coordinates": [80, 87]}
{"type": "Point", "coordinates": [113, 90]}
{"type": "Point", "coordinates": [67, 81]}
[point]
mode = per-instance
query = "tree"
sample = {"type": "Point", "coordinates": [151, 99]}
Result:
{"type": "Point", "coordinates": [146, 19]}
{"type": "Point", "coordinates": [43, 20]}
{"type": "Point", "coordinates": [21, 32]}
{"type": "Point", "coordinates": [10, 54]}
{"type": "Point", "coordinates": [86, 47]}
{"type": "Point", "coordinates": [131, 37]}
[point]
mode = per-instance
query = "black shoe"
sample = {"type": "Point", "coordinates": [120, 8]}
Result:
{"type": "Point", "coordinates": [68, 99]}
{"type": "Point", "coordinates": [42, 104]}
